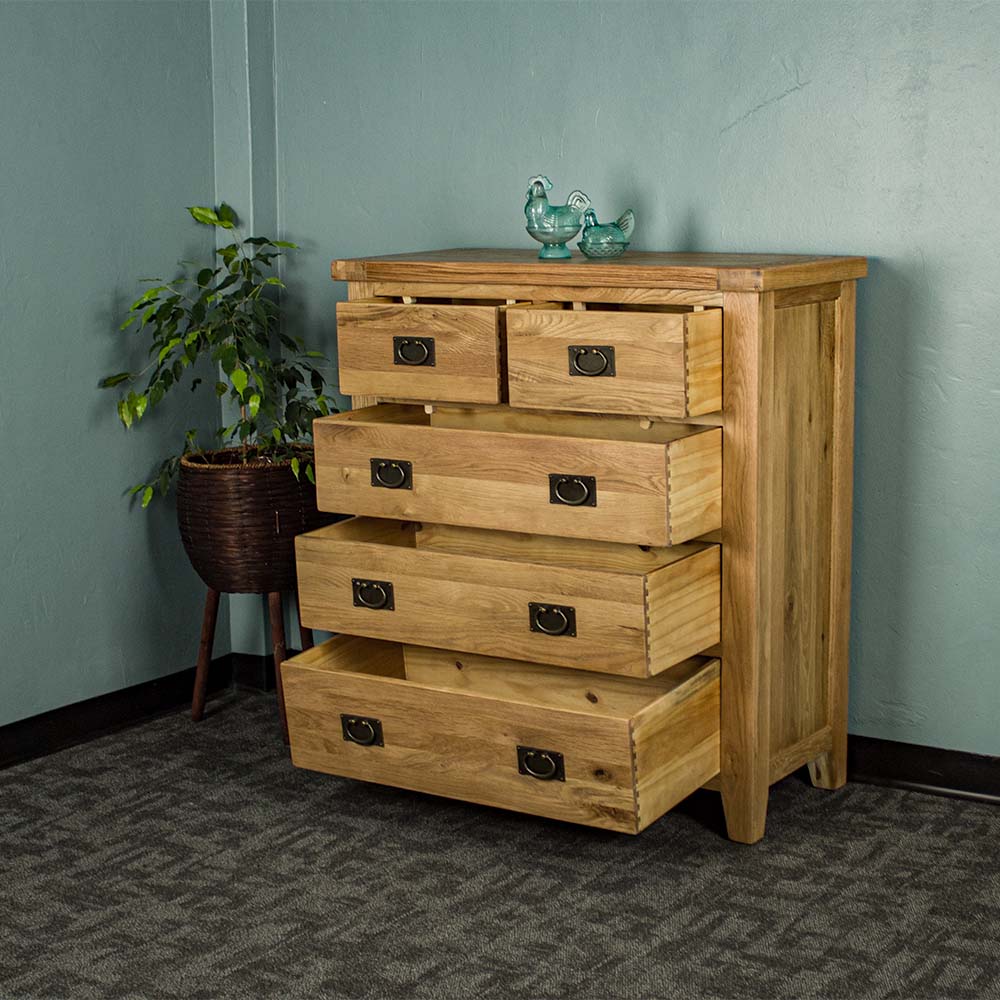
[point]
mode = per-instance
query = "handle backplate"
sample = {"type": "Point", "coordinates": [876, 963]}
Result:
{"type": "Point", "coordinates": [552, 619]}
{"type": "Point", "coordinates": [362, 729]}
{"type": "Point", "coordinates": [376, 595]}
{"type": "Point", "coordinates": [392, 473]}
{"type": "Point", "coordinates": [545, 765]}
{"type": "Point", "coordinates": [572, 491]}
{"type": "Point", "coordinates": [417, 352]}
{"type": "Point", "coordinates": [592, 360]}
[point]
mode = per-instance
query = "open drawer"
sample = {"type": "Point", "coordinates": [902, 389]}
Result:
{"type": "Point", "coordinates": [620, 609]}
{"type": "Point", "coordinates": [610, 752]}
{"type": "Point", "coordinates": [432, 351]}
{"type": "Point", "coordinates": [552, 474]}
{"type": "Point", "coordinates": [663, 362]}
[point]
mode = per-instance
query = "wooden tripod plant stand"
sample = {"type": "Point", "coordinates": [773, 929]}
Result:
{"type": "Point", "coordinates": [278, 648]}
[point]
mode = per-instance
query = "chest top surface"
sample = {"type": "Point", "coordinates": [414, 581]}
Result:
{"type": "Point", "coordinates": [711, 271]}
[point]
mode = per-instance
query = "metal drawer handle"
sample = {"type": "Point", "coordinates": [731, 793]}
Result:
{"type": "Point", "coordinates": [393, 474]}
{"type": "Point", "coordinates": [374, 594]}
{"type": "Point", "coordinates": [366, 732]}
{"type": "Point", "coordinates": [589, 361]}
{"type": "Point", "coordinates": [545, 765]}
{"type": "Point", "coordinates": [552, 619]}
{"type": "Point", "coordinates": [572, 491]}
{"type": "Point", "coordinates": [414, 351]}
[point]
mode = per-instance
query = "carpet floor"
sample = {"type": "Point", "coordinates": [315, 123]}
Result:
{"type": "Point", "coordinates": [174, 860]}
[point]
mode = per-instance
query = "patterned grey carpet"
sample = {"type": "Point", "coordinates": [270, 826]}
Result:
{"type": "Point", "coordinates": [192, 861]}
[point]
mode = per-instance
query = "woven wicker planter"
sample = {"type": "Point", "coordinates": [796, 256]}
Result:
{"type": "Point", "coordinates": [239, 521]}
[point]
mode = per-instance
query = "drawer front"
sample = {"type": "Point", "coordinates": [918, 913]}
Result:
{"type": "Point", "coordinates": [491, 592]}
{"type": "Point", "coordinates": [644, 492]}
{"type": "Point", "coordinates": [665, 364]}
{"type": "Point", "coordinates": [433, 352]}
{"type": "Point", "coordinates": [523, 737]}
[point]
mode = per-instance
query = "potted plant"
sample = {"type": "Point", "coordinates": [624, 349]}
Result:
{"type": "Point", "coordinates": [241, 502]}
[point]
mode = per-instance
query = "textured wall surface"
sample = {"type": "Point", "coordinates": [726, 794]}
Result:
{"type": "Point", "coordinates": [868, 128]}
{"type": "Point", "coordinates": [847, 127]}
{"type": "Point", "coordinates": [106, 125]}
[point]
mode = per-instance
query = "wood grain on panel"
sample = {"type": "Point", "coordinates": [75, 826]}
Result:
{"type": "Point", "coordinates": [542, 293]}
{"type": "Point", "coordinates": [747, 531]}
{"type": "Point", "coordinates": [830, 769]}
{"type": "Point", "coordinates": [730, 272]}
{"type": "Point", "coordinates": [501, 479]}
{"type": "Point", "coordinates": [677, 743]}
{"type": "Point", "coordinates": [694, 476]}
{"type": "Point", "coordinates": [474, 593]}
{"type": "Point", "coordinates": [703, 362]}
{"type": "Point", "coordinates": [458, 744]}
{"type": "Point", "coordinates": [799, 483]}
{"type": "Point", "coordinates": [683, 608]}
{"type": "Point", "coordinates": [360, 290]}
{"type": "Point", "coordinates": [538, 683]}
{"type": "Point", "coordinates": [652, 365]}
{"type": "Point", "coordinates": [466, 351]}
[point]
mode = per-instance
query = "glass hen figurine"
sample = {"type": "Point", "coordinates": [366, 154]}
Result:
{"type": "Point", "coordinates": [553, 225]}
{"type": "Point", "coordinates": [608, 240]}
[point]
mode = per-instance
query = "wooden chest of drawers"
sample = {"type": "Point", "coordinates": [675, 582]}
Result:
{"type": "Point", "coordinates": [602, 551]}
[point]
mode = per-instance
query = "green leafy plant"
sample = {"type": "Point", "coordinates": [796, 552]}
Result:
{"type": "Point", "coordinates": [227, 312]}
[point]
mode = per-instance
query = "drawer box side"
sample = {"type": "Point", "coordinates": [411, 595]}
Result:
{"type": "Point", "coordinates": [694, 485]}
{"type": "Point", "coordinates": [703, 362]}
{"type": "Point", "coordinates": [684, 608]}
{"type": "Point", "coordinates": [676, 743]}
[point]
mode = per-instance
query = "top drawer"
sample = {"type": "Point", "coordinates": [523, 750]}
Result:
{"type": "Point", "coordinates": [666, 364]}
{"type": "Point", "coordinates": [440, 352]}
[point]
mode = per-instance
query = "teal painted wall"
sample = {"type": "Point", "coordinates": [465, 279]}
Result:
{"type": "Point", "coordinates": [360, 128]}
{"type": "Point", "coordinates": [868, 128]}
{"type": "Point", "coordinates": [106, 125]}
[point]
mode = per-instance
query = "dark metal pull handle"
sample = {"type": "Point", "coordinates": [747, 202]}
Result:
{"type": "Point", "coordinates": [414, 351]}
{"type": "Point", "coordinates": [573, 491]}
{"type": "Point", "coordinates": [592, 360]}
{"type": "Point", "coordinates": [392, 473]}
{"type": "Point", "coordinates": [552, 619]}
{"type": "Point", "coordinates": [374, 594]}
{"type": "Point", "coordinates": [545, 765]}
{"type": "Point", "coordinates": [360, 729]}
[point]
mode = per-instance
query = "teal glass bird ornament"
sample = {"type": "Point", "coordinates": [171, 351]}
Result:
{"type": "Point", "coordinates": [610, 239]}
{"type": "Point", "coordinates": [553, 225]}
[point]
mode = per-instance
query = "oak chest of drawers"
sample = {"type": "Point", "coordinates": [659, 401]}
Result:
{"type": "Point", "coordinates": [601, 551]}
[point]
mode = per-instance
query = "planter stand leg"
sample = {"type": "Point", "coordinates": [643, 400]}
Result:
{"type": "Point", "coordinates": [204, 654]}
{"type": "Point", "coordinates": [278, 642]}
{"type": "Point", "coordinates": [305, 634]}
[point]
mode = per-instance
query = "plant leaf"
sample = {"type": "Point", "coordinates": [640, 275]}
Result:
{"type": "Point", "coordinates": [239, 380]}
{"type": "Point", "coordinates": [227, 214]}
{"type": "Point", "coordinates": [139, 404]}
{"type": "Point", "coordinates": [295, 467]}
{"type": "Point", "coordinates": [309, 474]}
{"type": "Point", "coordinates": [113, 380]}
{"type": "Point", "coordinates": [254, 404]}
{"type": "Point", "coordinates": [168, 347]}
{"type": "Point", "coordinates": [147, 495]}
{"type": "Point", "coordinates": [206, 216]}
{"type": "Point", "coordinates": [284, 243]}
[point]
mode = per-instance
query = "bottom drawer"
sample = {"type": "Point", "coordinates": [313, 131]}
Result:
{"type": "Point", "coordinates": [612, 752]}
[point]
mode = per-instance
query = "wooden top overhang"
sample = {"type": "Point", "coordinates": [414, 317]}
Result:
{"type": "Point", "coordinates": [709, 271]}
